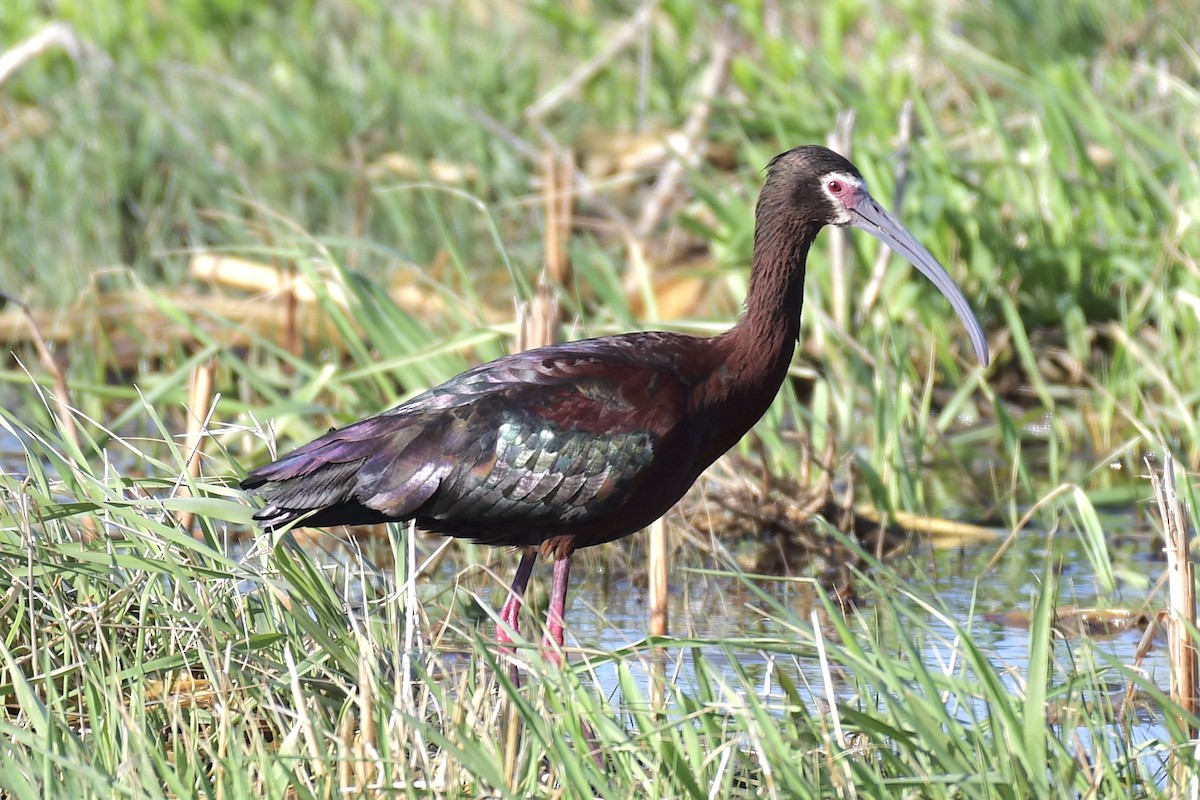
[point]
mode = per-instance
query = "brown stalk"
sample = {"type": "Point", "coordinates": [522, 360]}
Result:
{"type": "Point", "coordinates": [199, 408]}
{"type": "Point", "coordinates": [1181, 617]}
{"type": "Point", "coordinates": [538, 318]}
{"type": "Point", "coordinates": [660, 563]}
{"type": "Point", "coordinates": [622, 38]}
{"type": "Point", "coordinates": [368, 744]}
{"type": "Point", "coordinates": [692, 150]}
{"type": "Point", "coordinates": [537, 326]}
{"type": "Point", "coordinates": [346, 779]}
{"type": "Point", "coordinates": [558, 196]}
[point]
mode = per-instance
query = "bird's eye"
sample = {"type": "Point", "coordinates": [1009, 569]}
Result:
{"type": "Point", "coordinates": [835, 187]}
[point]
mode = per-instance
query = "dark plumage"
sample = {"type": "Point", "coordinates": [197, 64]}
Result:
{"type": "Point", "coordinates": [576, 444]}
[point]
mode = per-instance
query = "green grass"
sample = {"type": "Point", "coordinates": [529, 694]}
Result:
{"type": "Point", "coordinates": [1052, 169]}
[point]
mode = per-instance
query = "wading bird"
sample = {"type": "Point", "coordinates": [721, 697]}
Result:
{"type": "Point", "coordinates": [581, 443]}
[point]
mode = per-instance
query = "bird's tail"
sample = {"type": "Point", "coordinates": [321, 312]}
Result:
{"type": "Point", "coordinates": [357, 475]}
{"type": "Point", "coordinates": [320, 492]}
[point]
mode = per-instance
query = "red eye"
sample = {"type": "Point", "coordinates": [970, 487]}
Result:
{"type": "Point", "coordinates": [835, 187]}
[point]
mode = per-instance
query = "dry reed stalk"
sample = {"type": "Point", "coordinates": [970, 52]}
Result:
{"type": "Point", "coordinates": [411, 605]}
{"type": "Point", "coordinates": [347, 780]}
{"type": "Point", "coordinates": [1181, 616]}
{"type": "Point", "coordinates": [537, 326]}
{"type": "Point", "coordinates": [56, 35]}
{"type": "Point", "coordinates": [135, 329]}
{"type": "Point", "coordinates": [559, 197]}
{"type": "Point", "coordinates": [199, 409]}
{"type": "Point", "coordinates": [368, 773]}
{"type": "Point", "coordinates": [511, 738]}
{"type": "Point", "coordinates": [537, 319]}
{"type": "Point", "coordinates": [693, 145]}
{"type": "Point", "coordinates": [659, 565]}
{"type": "Point", "coordinates": [255, 276]}
{"type": "Point", "coordinates": [621, 38]}
{"type": "Point", "coordinates": [62, 395]}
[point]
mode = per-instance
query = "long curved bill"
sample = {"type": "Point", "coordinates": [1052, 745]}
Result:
{"type": "Point", "coordinates": [871, 217]}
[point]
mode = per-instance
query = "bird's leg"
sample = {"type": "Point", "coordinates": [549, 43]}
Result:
{"type": "Point", "coordinates": [555, 619]}
{"type": "Point", "coordinates": [510, 612]}
{"type": "Point", "coordinates": [558, 606]}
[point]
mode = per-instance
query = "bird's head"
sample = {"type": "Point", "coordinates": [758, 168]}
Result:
{"type": "Point", "coordinates": [820, 187]}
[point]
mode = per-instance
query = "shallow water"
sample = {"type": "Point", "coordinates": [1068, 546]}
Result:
{"type": "Point", "coordinates": [607, 615]}
{"type": "Point", "coordinates": [608, 611]}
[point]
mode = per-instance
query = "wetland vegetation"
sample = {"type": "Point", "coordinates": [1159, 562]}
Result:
{"type": "Point", "coordinates": [163, 179]}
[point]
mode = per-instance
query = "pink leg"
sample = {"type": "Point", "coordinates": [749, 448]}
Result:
{"type": "Point", "coordinates": [556, 615]}
{"type": "Point", "coordinates": [555, 619]}
{"type": "Point", "coordinates": [511, 611]}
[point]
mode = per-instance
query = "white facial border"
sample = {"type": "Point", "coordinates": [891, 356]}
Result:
{"type": "Point", "coordinates": [841, 214]}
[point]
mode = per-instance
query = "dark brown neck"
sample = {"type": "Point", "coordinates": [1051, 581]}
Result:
{"type": "Point", "coordinates": [760, 346]}
{"type": "Point", "coordinates": [747, 363]}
